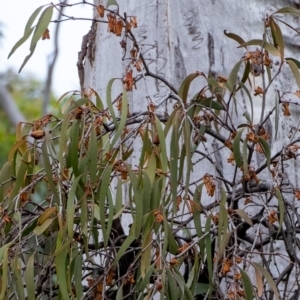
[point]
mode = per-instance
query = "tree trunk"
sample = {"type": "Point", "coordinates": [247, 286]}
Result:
{"type": "Point", "coordinates": [177, 38]}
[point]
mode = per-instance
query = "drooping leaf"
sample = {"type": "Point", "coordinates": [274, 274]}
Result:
{"type": "Point", "coordinates": [259, 283]}
{"type": "Point", "coordinates": [185, 86]}
{"type": "Point", "coordinates": [295, 71]}
{"type": "Point", "coordinates": [248, 287]}
{"type": "Point", "coordinates": [208, 102]}
{"type": "Point", "coordinates": [232, 78]}
{"type": "Point", "coordinates": [236, 148]}
{"type": "Point", "coordinates": [26, 60]}
{"type": "Point", "coordinates": [269, 278]}
{"type": "Point", "coordinates": [20, 42]}
{"type": "Point", "coordinates": [234, 37]}
{"type": "Point", "coordinates": [29, 277]}
{"type": "Point", "coordinates": [288, 10]}
{"type": "Point", "coordinates": [60, 265]}
{"type": "Point", "coordinates": [41, 26]}
{"type": "Point", "coordinates": [281, 207]}
{"type": "Point", "coordinates": [265, 146]}
{"type": "Point", "coordinates": [123, 120]}
{"type": "Point", "coordinates": [244, 216]}
{"type": "Point", "coordinates": [277, 37]}
{"type": "Point", "coordinates": [270, 48]}
{"type": "Point", "coordinates": [297, 62]}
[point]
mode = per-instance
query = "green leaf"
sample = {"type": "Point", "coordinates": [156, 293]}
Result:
{"type": "Point", "coordinates": [270, 48]}
{"type": "Point", "coordinates": [32, 18]}
{"type": "Point", "coordinates": [184, 87]}
{"type": "Point", "coordinates": [172, 286]}
{"type": "Point", "coordinates": [102, 199]}
{"type": "Point", "coordinates": [236, 148]}
{"type": "Point", "coordinates": [41, 26]}
{"type": "Point", "coordinates": [201, 288]}
{"type": "Point", "coordinates": [109, 101]}
{"type": "Point", "coordinates": [213, 82]}
{"type": "Point", "coordinates": [141, 284]}
{"type": "Point", "coordinates": [21, 175]}
{"type": "Point", "coordinates": [244, 216]}
{"type": "Point", "coordinates": [60, 265]}
{"type": "Point", "coordinates": [162, 143]}
{"type": "Point", "coordinates": [266, 148]}
{"type": "Point", "coordinates": [63, 139]}
{"type": "Point", "coordinates": [277, 37]}
{"type": "Point", "coordinates": [78, 276]}
{"type": "Point", "coordinates": [208, 102]}
{"type": "Point", "coordinates": [71, 207]}
{"type": "Point", "coordinates": [295, 71]}
{"type": "Point", "coordinates": [119, 295]}
{"type": "Point", "coordinates": [248, 288]}
{"type": "Point", "coordinates": [246, 72]}
{"type": "Point", "coordinates": [269, 278]}
{"type": "Point", "coordinates": [241, 84]}
{"type": "Point", "coordinates": [17, 279]}
{"type": "Point", "coordinates": [281, 207]}
{"type": "Point", "coordinates": [276, 114]}
{"type": "Point", "coordinates": [233, 76]}
{"type": "Point", "coordinates": [4, 272]}
{"type": "Point", "coordinates": [235, 37]}
{"type": "Point", "coordinates": [5, 175]}
{"type": "Point", "coordinates": [29, 278]}
{"type": "Point", "coordinates": [48, 170]}
{"type": "Point", "coordinates": [111, 2]}
{"type": "Point", "coordinates": [93, 155]}
{"type": "Point", "coordinates": [288, 10]}
{"type": "Point", "coordinates": [297, 62]}
{"type": "Point", "coordinates": [21, 41]}
{"type": "Point", "coordinates": [26, 60]}
{"type": "Point", "coordinates": [123, 248]}
{"type": "Point", "coordinates": [209, 257]}
{"type": "Point", "coordinates": [174, 152]}
{"type": "Point", "coordinates": [245, 157]}
{"type": "Point", "coordinates": [123, 120]}
{"type": "Point", "coordinates": [38, 230]}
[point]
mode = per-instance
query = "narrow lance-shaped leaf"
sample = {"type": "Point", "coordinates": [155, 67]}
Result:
{"type": "Point", "coordinates": [4, 273]}
{"type": "Point", "coordinates": [41, 26]}
{"type": "Point", "coordinates": [21, 41]}
{"type": "Point", "coordinates": [288, 10]}
{"type": "Point", "coordinates": [60, 265]}
{"type": "Point", "coordinates": [266, 149]}
{"type": "Point", "coordinates": [236, 148]}
{"type": "Point", "coordinates": [184, 88]}
{"type": "Point", "coordinates": [18, 282]}
{"type": "Point", "coordinates": [29, 278]}
{"type": "Point", "coordinates": [281, 207]}
{"type": "Point", "coordinates": [102, 201]}
{"type": "Point", "coordinates": [276, 114]}
{"type": "Point", "coordinates": [248, 287]}
{"type": "Point", "coordinates": [232, 78]}
{"type": "Point", "coordinates": [26, 59]}
{"type": "Point", "coordinates": [295, 71]}
{"type": "Point", "coordinates": [270, 48]}
{"type": "Point", "coordinates": [269, 278]}
{"type": "Point", "coordinates": [109, 101]}
{"type": "Point", "coordinates": [235, 37]}
{"type": "Point", "coordinates": [71, 207]}
{"type": "Point", "coordinates": [277, 37]}
{"type": "Point", "coordinates": [123, 120]}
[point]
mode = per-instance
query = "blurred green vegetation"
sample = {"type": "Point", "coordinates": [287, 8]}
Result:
{"type": "Point", "coordinates": [27, 91]}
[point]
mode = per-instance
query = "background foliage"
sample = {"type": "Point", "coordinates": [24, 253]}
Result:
{"type": "Point", "coordinates": [188, 237]}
